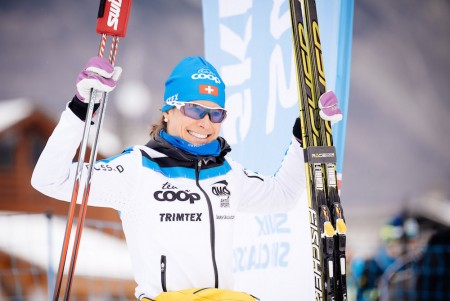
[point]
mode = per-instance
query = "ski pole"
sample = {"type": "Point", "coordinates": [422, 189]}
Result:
{"type": "Point", "coordinates": [114, 23]}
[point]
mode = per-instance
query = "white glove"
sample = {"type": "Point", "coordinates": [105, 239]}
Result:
{"type": "Point", "coordinates": [99, 75]}
{"type": "Point", "coordinates": [329, 108]}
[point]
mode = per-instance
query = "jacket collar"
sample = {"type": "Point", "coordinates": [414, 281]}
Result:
{"type": "Point", "coordinates": [164, 147]}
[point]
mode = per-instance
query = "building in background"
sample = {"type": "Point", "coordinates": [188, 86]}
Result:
{"type": "Point", "coordinates": [32, 224]}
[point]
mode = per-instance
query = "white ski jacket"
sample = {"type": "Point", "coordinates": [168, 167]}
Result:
{"type": "Point", "coordinates": [177, 210]}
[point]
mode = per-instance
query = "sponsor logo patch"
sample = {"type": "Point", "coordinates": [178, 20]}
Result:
{"type": "Point", "coordinates": [170, 193]}
{"type": "Point", "coordinates": [180, 217]}
{"type": "Point", "coordinates": [220, 189]}
{"type": "Point", "coordinates": [114, 13]}
{"type": "Point", "coordinates": [205, 73]}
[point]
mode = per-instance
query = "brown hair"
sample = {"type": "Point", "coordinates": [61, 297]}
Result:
{"type": "Point", "coordinates": [156, 127]}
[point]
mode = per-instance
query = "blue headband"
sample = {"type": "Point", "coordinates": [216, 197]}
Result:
{"type": "Point", "coordinates": [194, 79]}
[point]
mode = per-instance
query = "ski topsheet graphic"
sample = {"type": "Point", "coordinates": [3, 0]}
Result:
{"type": "Point", "coordinates": [327, 224]}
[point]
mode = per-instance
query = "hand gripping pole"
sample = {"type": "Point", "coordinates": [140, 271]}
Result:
{"type": "Point", "coordinates": [112, 20]}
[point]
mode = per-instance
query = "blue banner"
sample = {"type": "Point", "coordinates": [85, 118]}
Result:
{"type": "Point", "coordinates": [336, 25]}
{"type": "Point", "coordinates": [250, 43]}
{"type": "Point", "coordinates": [244, 40]}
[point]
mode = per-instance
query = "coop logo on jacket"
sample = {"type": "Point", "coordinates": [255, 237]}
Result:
{"type": "Point", "coordinates": [170, 193]}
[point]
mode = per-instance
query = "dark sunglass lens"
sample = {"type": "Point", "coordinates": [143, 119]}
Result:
{"type": "Point", "coordinates": [217, 115]}
{"type": "Point", "coordinates": [192, 112]}
{"type": "Point", "coordinates": [198, 112]}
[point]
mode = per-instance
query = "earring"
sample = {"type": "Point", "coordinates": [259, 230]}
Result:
{"type": "Point", "coordinates": [165, 119]}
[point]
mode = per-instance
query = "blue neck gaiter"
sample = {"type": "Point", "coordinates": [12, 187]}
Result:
{"type": "Point", "coordinates": [209, 149]}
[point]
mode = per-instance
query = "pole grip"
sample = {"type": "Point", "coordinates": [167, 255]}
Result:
{"type": "Point", "coordinates": [113, 16]}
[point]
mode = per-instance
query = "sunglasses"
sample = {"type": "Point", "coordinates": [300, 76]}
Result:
{"type": "Point", "coordinates": [197, 111]}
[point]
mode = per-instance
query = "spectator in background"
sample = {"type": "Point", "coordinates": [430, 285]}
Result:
{"type": "Point", "coordinates": [399, 236]}
{"type": "Point", "coordinates": [433, 269]}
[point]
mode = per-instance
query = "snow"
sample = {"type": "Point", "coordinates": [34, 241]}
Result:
{"type": "Point", "coordinates": [38, 240]}
{"type": "Point", "coordinates": [13, 110]}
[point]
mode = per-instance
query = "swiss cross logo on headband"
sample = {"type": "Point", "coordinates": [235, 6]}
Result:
{"type": "Point", "coordinates": [208, 89]}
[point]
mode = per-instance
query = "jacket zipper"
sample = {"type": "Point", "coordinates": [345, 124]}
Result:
{"type": "Point", "coordinates": [163, 266]}
{"type": "Point", "coordinates": [212, 235]}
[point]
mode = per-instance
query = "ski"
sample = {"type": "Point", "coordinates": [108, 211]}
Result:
{"type": "Point", "coordinates": [327, 223]}
{"type": "Point", "coordinates": [333, 199]}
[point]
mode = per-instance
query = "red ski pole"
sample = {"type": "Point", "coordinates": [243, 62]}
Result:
{"type": "Point", "coordinates": [112, 20]}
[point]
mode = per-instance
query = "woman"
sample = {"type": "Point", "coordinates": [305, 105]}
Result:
{"type": "Point", "coordinates": [178, 194]}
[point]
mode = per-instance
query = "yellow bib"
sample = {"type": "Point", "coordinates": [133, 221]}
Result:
{"type": "Point", "coordinates": [205, 294]}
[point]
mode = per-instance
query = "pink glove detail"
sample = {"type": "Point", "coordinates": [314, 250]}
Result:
{"type": "Point", "coordinates": [329, 107]}
{"type": "Point", "coordinates": [99, 75]}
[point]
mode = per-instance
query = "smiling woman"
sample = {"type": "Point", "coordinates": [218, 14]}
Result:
{"type": "Point", "coordinates": [178, 194]}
